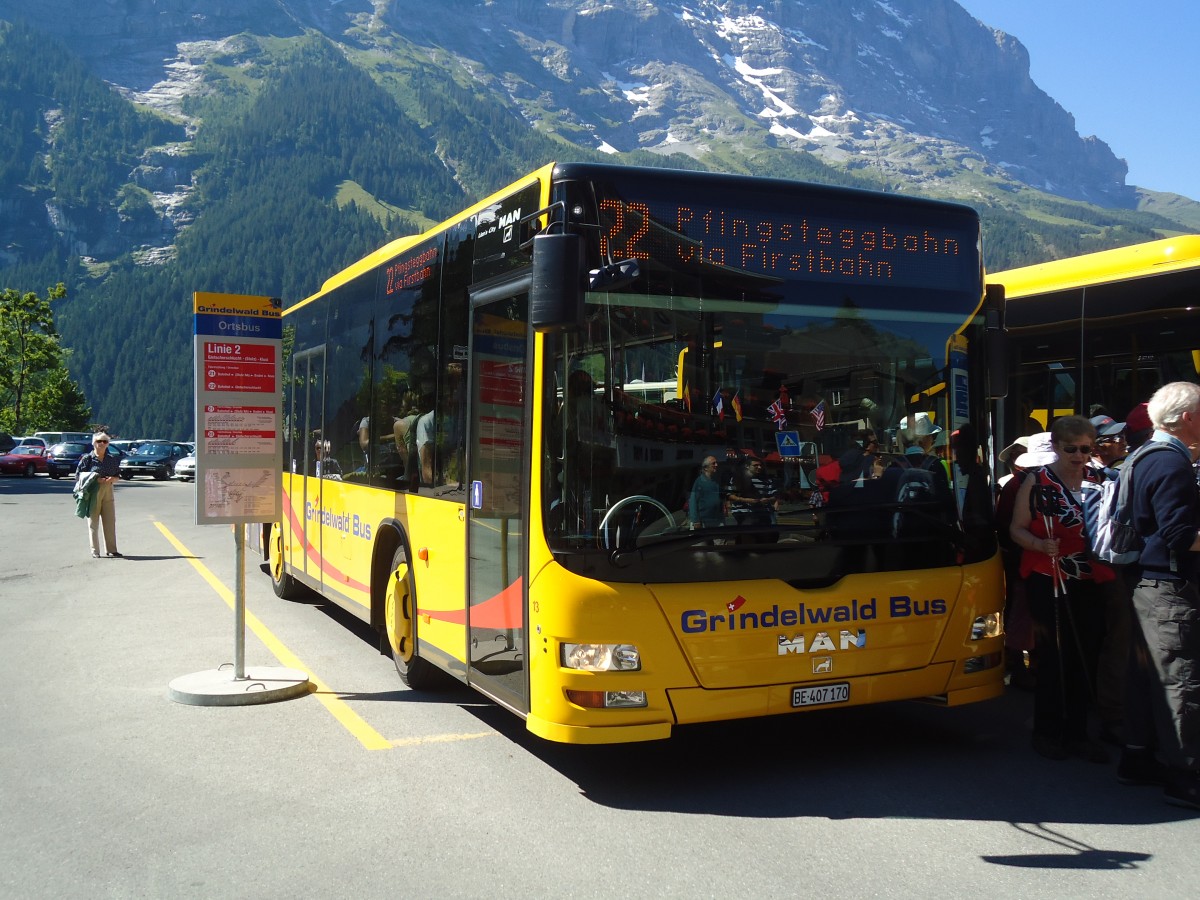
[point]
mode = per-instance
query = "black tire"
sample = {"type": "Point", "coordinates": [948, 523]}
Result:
{"type": "Point", "coordinates": [54, 475]}
{"type": "Point", "coordinates": [161, 476]}
{"type": "Point", "coordinates": [400, 623]}
{"type": "Point", "coordinates": [30, 470]}
{"type": "Point", "coordinates": [284, 585]}
{"type": "Point", "coordinates": [125, 476]}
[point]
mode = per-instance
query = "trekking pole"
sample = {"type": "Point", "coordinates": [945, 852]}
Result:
{"type": "Point", "coordinates": [1055, 572]}
{"type": "Point", "coordinates": [1060, 598]}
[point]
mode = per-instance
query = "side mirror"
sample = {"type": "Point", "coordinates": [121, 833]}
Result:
{"type": "Point", "coordinates": [995, 342]}
{"type": "Point", "coordinates": [556, 291]}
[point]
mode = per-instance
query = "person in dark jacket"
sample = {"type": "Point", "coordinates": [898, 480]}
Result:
{"type": "Point", "coordinates": [1166, 602]}
{"type": "Point", "coordinates": [104, 509]}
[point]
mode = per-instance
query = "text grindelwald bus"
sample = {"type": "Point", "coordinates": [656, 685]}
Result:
{"type": "Point", "coordinates": [474, 466]}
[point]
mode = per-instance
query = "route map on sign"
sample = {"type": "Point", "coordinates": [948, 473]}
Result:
{"type": "Point", "coordinates": [238, 492]}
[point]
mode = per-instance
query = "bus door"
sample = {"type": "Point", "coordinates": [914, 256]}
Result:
{"type": "Point", "coordinates": [308, 398]}
{"type": "Point", "coordinates": [498, 494]}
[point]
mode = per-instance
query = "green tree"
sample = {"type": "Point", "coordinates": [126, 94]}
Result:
{"type": "Point", "coordinates": [29, 347]}
{"type": "Point", "coordinates": [57, 403]}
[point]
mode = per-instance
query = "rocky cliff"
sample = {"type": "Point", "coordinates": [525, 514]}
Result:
{"type": "Point", "coordinates": [910, 91]}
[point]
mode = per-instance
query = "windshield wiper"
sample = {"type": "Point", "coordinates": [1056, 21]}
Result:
{"type": "Point", "coordinates": [663, 546]}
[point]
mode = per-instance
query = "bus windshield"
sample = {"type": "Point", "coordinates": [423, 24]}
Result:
{"type": "Point", "coordinates": [842, 389]}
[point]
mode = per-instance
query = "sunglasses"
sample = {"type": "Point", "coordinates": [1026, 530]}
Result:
{"type": "Point", "coordinates": [99, 442]}
{"type": "Point", "coordinates": [1081, 448]}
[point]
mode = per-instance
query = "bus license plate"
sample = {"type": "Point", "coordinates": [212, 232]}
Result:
{"type": "Point", "coordinates": [821, 694]}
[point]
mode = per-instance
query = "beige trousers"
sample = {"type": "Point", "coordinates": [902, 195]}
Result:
{"type": "Point", "coordinates": [104, 510]}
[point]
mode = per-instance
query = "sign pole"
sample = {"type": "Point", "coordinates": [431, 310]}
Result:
{"type": "Point", "coordinates": [239, 603]}
{"type": "Point", "coordinates": [238, 346]}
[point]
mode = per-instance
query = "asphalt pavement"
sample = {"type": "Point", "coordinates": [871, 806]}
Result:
{"type": "Point", "coordinates": [362, 788]}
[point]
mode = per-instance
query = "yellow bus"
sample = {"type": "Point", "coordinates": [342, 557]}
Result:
{"type": "Point", "coordinates": [472, 466]}
{"type": "Point", "coordinates": [1099, 331]}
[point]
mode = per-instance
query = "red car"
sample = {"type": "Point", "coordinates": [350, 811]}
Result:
{"type": "Point", "coordinates": [25, 459]}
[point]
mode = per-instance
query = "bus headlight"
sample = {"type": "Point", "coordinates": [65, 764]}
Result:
{"type": "Point", "coordinates": [989, 626]}
{"type": "Point", "coordinates": [601, 657]}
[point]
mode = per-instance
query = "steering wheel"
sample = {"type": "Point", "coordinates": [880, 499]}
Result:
{"type": "Point", "coordinates": [603, 531]}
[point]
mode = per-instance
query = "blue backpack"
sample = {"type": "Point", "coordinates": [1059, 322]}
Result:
{"type": "Point", "coordinates": [1114, 539]}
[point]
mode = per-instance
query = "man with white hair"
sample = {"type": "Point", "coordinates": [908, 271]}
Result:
{"type": "Point", "coordinates": [1166, 602]}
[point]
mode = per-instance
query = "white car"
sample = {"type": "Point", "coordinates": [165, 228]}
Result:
{"type": "Point", "coordinates": [185, 469]}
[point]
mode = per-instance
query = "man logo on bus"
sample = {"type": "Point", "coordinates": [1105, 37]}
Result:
{"type": "Point", "coordinates": [822, 642]}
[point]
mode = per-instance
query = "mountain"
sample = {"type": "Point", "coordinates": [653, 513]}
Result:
{"type": "Point", "coordinates": [157, 147]}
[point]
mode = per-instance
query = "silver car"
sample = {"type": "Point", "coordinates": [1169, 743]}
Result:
{"type": "Point", "coordinates": [185, 469]}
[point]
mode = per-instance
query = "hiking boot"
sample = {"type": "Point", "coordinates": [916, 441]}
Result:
{"type": "Point", "coordinates": [1183, 789]}
{"type": "Point", "coordinates": [1051, 748]}
{"type": "Point", "coordinates": [1140, 767]}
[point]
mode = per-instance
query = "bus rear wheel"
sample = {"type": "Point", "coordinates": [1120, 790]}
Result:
{"type": "Point", "coordinates": [401, 623]}
{"type": "Point", "coordinates": [284, 585]}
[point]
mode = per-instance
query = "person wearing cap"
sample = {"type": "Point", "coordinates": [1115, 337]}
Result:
{"type": "Point", "coordinates": [1166, 601]}
{"type": "Point", "coordinates": [1110, 446]}
{"type": "Point", "coordinates": [1138, 427]}
{"type": "Point", "coordinates": [1112, 664]}
{"type": "Point", "coordinates": [918, 434]}
{"type": "Point", "coordinates": [104, 508]}
{"type": "Point", "coordinates": [1061, 580]}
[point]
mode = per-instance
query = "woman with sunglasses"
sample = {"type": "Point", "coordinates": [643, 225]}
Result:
{"type": "Point", "coordinates": [104, 509]}
{"type": "Point", "coordinates": [1061, 582]}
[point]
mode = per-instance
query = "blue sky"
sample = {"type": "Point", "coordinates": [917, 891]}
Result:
{"type": "Point", "coordinates": [1126, 71]}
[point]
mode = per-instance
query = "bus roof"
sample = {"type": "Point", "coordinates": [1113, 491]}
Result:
{"type": "Point", "coordinates": [1121, 264]}
{"type": "Point", "coordinates": [390, 249]}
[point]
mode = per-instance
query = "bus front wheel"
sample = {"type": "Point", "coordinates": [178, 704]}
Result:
{"type": "Point", "coordinates": [401, 622]}
{"type": "Point", "coordinates": [284, 585]}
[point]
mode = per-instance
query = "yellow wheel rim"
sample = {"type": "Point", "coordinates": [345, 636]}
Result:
{"type": "Point", "coordinates": [398, 613]}
{"type": "Point", "coordinates": [277, 556]}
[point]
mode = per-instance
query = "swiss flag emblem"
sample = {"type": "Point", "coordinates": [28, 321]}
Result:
{"type": "Point", "coordinates": [736, 603]}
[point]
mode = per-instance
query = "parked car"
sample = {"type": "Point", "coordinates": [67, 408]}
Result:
{"type": "Point", "coordinates": [25, 459]}
{"type": "Point", "coordinates": [7, 442]}
{"type": "Point", "coordinates": [155, 459]}
{"type": "Point", "coordinates": [64, 437]}
{"type": "Point", "coordinates": [63, 459]}
{"type": "Point", "coordinates": [185, 469]}
{"type": "Point", "coordinates": [31, 441]}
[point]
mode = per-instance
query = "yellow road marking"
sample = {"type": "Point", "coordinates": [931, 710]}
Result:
{"type": "Point", "coordinates": [350, 720]}
{"type": "Point", "coordinates": [441, 739]}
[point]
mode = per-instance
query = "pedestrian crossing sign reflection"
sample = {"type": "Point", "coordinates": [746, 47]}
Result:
{"type": "Point", "coordinates": [788, 443]}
